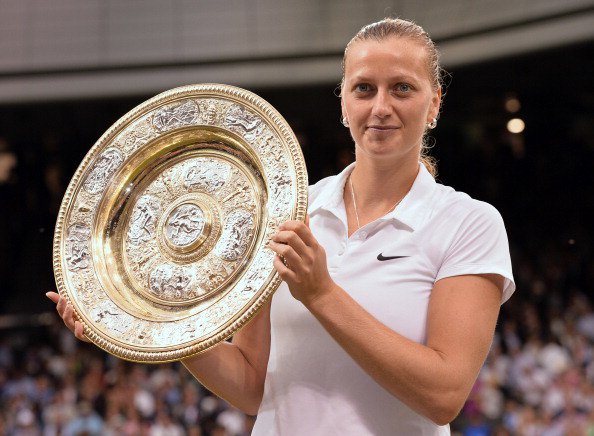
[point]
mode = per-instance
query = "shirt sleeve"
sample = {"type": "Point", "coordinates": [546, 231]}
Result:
{"type": "Point", "coordinates": [479, 246]}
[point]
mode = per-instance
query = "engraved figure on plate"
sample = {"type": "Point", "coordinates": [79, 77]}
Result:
{"type": "Point", "coordinates": [211, 112]}
{"type": "Point", "coordinates": [184, 225]}
{"type": "Point", "coordinates": [241, 120]}
{"type": "Point", "coordinates": [105, 166]}
{"type": "Point", "coordinates": [281, 190]}
{"type": "Point", "coordinates": [172, 283]}
{"type": "Point", "coordinates": [206, 175]}
{"type": "Point", "coordinates": [77, 247]}
{"type": "Point", "coordinates": [171, 117]}
{"type": "Point", "coordinates": [236, 235]}
{"type": "Point", "coordinates": [138, 134]}
{"type": "Point", "coordinates": [144, 219]}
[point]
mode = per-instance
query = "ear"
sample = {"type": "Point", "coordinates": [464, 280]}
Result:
{"type": "Point", "coordinates": [435, 104]}
{"type": "Point", "coordinates": [343, 109]}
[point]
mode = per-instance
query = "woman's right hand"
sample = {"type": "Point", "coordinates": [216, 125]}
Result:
{"type": "Point", "coordinates": [66, 312]}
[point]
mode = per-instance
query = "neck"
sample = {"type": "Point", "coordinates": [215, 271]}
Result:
{"type": "Point", "coordinates": [378, 186]}
{"type": "Point", "coordinates": [371, 192]}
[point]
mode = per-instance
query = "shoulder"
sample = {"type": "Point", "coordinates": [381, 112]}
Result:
{"type": "Point", "coordinates": [460, 220]}
{"type": "Point", "coordinates": [472, 238]}
{"type": "Point", "coordinates": [466, 225]}
{"type": "Point", "coordinates": [459, 206]}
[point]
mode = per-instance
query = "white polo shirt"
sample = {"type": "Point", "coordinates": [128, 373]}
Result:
{"type": "Point", "coordinates": [313, 387]}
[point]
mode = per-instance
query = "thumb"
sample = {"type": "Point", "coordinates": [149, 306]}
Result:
{"type": "Point", "coordinates": [307, 220]}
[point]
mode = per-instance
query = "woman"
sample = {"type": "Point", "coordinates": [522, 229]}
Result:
{"type": "Point", "coordinates": [393, 284]}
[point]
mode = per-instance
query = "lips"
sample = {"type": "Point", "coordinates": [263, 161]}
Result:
{"type": "Point", "coordinates": [381, 128]}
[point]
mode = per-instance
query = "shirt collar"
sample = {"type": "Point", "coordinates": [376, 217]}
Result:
{"type": "Point", "coordinates": [411, 211]}
{"type": "Point", "coordinates": [415, 205]}
{"type": "Point", "coordinates": [331, 197]}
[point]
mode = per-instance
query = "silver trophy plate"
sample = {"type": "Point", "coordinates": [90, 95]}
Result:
{"type": "Point", "coordinates": [161, 239]}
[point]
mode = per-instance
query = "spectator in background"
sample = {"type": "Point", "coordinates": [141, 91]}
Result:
{"type": "Point", "coordinates": [87, 422]}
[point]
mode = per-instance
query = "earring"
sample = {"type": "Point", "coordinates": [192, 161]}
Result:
{"type": "Point", "coordinates": [432, 124]}
{"type": "Point", "coordinates": [344, 121]}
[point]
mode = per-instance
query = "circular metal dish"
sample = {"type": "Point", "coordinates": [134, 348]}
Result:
{"type": "Point", "coordinates": [161, 240]}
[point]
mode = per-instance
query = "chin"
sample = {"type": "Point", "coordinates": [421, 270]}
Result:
{"type": "Point", "coordinates": [388, 152]}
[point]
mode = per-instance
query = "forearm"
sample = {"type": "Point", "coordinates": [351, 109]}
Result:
{"type": "Point", "coordinates": [433, 383]}
{"type": "Point", "coordinates": [235, 371]}
{"type": "Point", "coordinates": [225, 371]}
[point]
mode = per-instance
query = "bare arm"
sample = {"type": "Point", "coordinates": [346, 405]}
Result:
{"type": "Point", "coordinates": [234, 371]}
{"type": "Point", "coordinates": [433, 379]}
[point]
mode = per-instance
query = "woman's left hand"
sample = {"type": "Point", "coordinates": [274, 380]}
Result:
{"type": "Point", "coordinates": [304, 269]}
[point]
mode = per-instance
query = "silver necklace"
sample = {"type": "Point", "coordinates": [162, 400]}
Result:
{"type": "Point", "coordinates": [355, 202]}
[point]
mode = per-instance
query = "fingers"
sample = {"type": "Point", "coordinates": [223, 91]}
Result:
{"type": "Point", "coordinates": [66, 312]}
{"type": "Point", "coordinates": [292, 259]}
{"type": "Point", "coordinates": [79, 331]}
{"type": "Point", "coordinates": [61, 307]}
{"type": "Point", "coordinates": [68, 316]}
{"type": "Point", "coordinates": [289, 245]}
{"type": "Point", "coordinates": [302, 230]}
{"type": "Point", "coordinates": [292, 240]}
{"type": "Point", "coordinates": [54, 296]}
{"type": "Point", "coordinates": [296, 245]}
{"type": "Point", "coordinates": [285, 272]}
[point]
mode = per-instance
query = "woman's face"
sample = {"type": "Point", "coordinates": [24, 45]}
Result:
{"type": "Point", "coordinates": [387, 97]}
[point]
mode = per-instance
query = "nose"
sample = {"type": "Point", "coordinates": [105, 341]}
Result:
{"type": "Point", "coordinates": [381, 104]}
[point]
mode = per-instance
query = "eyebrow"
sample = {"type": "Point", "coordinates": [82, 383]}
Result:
{"type": "Point", "coordinates": [396, 78]}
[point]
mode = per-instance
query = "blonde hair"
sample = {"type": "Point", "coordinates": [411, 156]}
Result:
{"type": "Point", "coordinates": [397, 27]}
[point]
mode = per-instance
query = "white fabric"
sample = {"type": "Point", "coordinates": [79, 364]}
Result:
{"type": "Point", "coordinates": [312, 386]}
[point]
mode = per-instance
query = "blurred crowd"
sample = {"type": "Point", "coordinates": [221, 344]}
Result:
{"type": "Point", "coordinates": [51, 384]}
{"type": "Point", "coordinates": [539, 377]}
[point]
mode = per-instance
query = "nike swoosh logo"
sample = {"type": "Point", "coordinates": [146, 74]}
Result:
{"type": "Point", "coordinates": [382, 257]}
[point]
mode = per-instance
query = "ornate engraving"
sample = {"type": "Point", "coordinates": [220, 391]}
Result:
{"type": "Point", "coordinates": [212, 112]}
{"type": "Point", "coordinates": [172, 117]}
{"type": "Point", "coordinates": [207, 175]}
{"type": "Point", "coordinates": [173, 283]}
{"type": "Point", "coordinates": [143, 129]}
{"type": "Point", "coordinates": [112, 318]}
{"type": "Point", "coordinates": [267, 143]}
{"type": "Point", "coordinates": [281, 186]}
{"type": "Point", "coordinates": [185, 224]}
{"type": "Point", "coordinates": [236, 235]}
{"type": "Point", "coordinates": [241, 120]}
{"type": "Point", "coordinates": [89, 290]}
{"type": "Point", "coordinates": [240, 197]}
{"type": "Point", "coordinates": [78, 254]}
{"type": "Point", "coordinates": [214, 276]}
{"type": "Point", "coordinates": [105, 166]}
{"type": "Point", "coordinates": [136, 135]}
{"type": "Point", "coordinates": [144, 219]}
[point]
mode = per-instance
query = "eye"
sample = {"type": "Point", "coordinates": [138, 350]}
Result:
{"type": "Point", "coordinates": [403, 88]}
{"type": "Point", "coordinates": [362, 87]}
